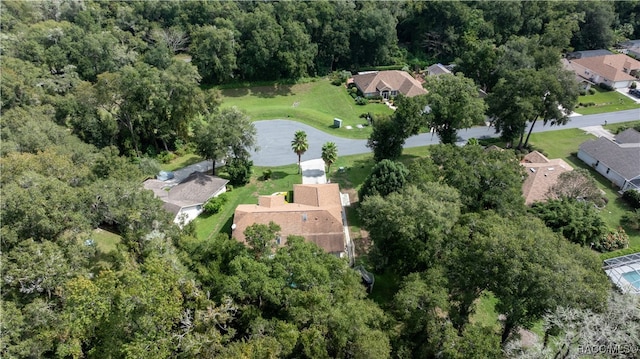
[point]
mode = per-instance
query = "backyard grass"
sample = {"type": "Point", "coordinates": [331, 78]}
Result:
{"type": "Point", "coordinates": [181, 162]}
{"type": "Point", "coordinates": [314, 103]}
{"type": "Point", "coordinates": [105, 241]}
{"type": "Point", "coordinates": [605, 101]}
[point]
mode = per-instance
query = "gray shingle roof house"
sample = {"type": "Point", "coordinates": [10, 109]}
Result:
{"type": "Point", "coordinates": [617, 160]}
{"type": "Point", "coordinates": [631, 47]}
{"type": "Point", "coordinates": [388, 84]}
{"type": "Point", "coordinates": [437, 69]}
{"type": "Point", "coordinates": [185, 199]}
{"type": "Point", "coordinates": [588, 53]}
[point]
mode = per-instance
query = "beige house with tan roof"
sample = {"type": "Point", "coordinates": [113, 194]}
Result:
{"type": "Point", "coordinates": [542, 174]}
{"type": "Point", "coordinates": [315, 214]}
{"type": "Point", "coordinates": [612, 70]}
{"type": "Point", "coordinates": [387, 84]}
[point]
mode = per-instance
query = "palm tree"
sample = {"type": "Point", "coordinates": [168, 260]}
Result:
{"type": "Point", "coordinates": [300, 145]}
{"type": "Point", "coordinates": [329, 154]}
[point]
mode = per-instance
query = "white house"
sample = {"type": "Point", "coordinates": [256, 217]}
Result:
{"type": "Point", "coordinates": [185, 200]}
{"type": "Point", "coordinates": [617, 159]}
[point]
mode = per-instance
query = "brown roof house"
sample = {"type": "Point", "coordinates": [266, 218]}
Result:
{"type": "Point", "coordinates": [387, 84]}
{"type": "Point", "coordinates": [185, 200]}
{"type": "Point", "coordinates": [617, 159]}
{"type": "Point", "coordinates": [542, 174]}
{"type": "Point", "coordinates": [315, 214]}
{"type": "Point", "coordinates": [612, 70]}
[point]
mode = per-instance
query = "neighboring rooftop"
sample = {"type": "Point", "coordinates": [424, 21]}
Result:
{"type": "Point", "coordinates": [588, 53]}
{"type": "Point", "coordinates": [392, 80]}
{"type": "Point", "coordinates": [316, 214]}
{"type": "Point", "coordinates": [195, 189]}
{"type": "Point", "coordinates": [438, 69]}
{"type": "Point", "coordinates": [621, 155]}
{"type": "Point", "coordinates": [542, 174]}
{"type": "Point", "coordinates": [612, 67]}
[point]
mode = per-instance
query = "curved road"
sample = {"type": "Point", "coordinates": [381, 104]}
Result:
{"type": "Point", "coordinates": [274, 137]}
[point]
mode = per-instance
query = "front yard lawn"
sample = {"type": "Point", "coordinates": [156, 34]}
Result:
{"type": "Point", "coordinates": [314, 103]}
{"type": "Point", "coordinates": [605, 101]}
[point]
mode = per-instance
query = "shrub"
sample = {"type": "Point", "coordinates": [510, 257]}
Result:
{"type": "Point", "coordinates": [166, 157]}
{"type": "Point", "coordinates": [239, 170]}
{"type": "Point", "coordinates": [339, 77]}
{"type": "Point", "coordinates": [592, 91]}
{"type": "Point", "coordinates": [632, 219]}
{"type": "Point", "coordinates": [361, 101]}
{"type": "Point", "coordinates": [633, 85]}
{"type": "Point", "coordinates": [215, 204]}
{"type": "Point", "coordinates": [632, 197]}
{"type": "Point", "coordinates": [266, 175]}
{"type": "Point", "coordinates": [605, 86]}
{"type": "Point", "coordinates": [583, 92]}
{"type": "Point", "coordinates": [613, 240]}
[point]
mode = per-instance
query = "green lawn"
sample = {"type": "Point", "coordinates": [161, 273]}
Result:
{"type": "Point", "coordinates": [181, 162]}
{"type": "Point", "coordinates": [314, 103]}
{"type": "Point", "coordinates": [605, 101]}
{"type": "Point", "coordinates": [561, 144]}
{"type": "Point", "coordinates": [105, 240]}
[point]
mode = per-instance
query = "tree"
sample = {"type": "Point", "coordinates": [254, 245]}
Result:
{"type": "Point", "coordinates": [228, 133]}
{"type": "Point", "coordinates": [577, 184]}
{"type": "Point", "coordinates": [329, 154]}
{"type": "Point", "coordinates": [386, 177]}
{"type": "Point", "coordinates": [214, 52]}
{"type": "Point", "coordinates": [408, 228]}
{"type": "Point", "coordinates": [579, 222]}
{"type": "Point", "coordinates": [548, 94]}
{"type": "Point", "coordinates": [299, 145]}
{"type": "Point", "coordinates": [571, 332]}
{"type": "Point", "coordinates": [239, 170]}
{"type": "Point", "coordinates": [485, 179]}
{"type": "Point", "coordinates": [529, 269]}
{"type": "Point", "coordinates": [454, 105]}
{"type": "Point", "coordinates": [386, 140]}
{"type": "Point", "coordinates": [262, 238]}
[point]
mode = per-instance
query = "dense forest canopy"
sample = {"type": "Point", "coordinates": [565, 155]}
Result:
{"type": "Point", "coordinates": [92, 92]}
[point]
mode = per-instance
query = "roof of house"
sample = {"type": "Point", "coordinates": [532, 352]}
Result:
{"type": "Point", "coordinates": [631, 44]}
{"type": "Point", "coordinates": [316, 214]}
{"type": "Point", "coordinates": [542, 174]}
{"type": "Point", "coordinates": [610, 67]}
{"type": "Point", "coordinates": [392, 80]}
{"type": "Point", "coordinates": [567, 65]}
{"type": "Point", "coordinates": [623, 158]}
{"type": "Point", "coordinates": [588, 53]}
{"type": "Point", "coordinates": [195, 189]}
{"type": "Point", "coordinates": [437, 69]}
{"type": "Point", "coordinates": [629, 135]}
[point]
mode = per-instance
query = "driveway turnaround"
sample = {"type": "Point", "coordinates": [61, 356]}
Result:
{"type": "Point", "coordinates": [274, 137]}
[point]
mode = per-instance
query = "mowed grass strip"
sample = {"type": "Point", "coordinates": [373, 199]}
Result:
{"type": "Point", "coordinates": [314, 103]}
{"type": "Point", "coordinates": [605, 101]}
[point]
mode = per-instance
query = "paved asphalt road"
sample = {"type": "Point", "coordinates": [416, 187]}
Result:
{"type": "Point", "coordinates": [274, 137]}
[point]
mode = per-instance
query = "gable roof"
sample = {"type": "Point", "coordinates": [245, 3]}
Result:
{"type": "Point", "coordinates": [316, 214]}
{"type": "Point", "coordinates": [392, 80]}
{"type": "Point", "coordinates": [611, 66]}
{"type": "Point", "coordinates": [542, 174]}
{"type": "Point", "coordinates": [623, 158]}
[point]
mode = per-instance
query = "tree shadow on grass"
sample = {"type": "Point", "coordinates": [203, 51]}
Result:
{"type": "Point", "coordinates": [226, 228]}
{"type": "Point", "coordinates": [272, 91]}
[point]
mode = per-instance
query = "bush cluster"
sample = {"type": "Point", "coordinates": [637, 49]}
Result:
{"type": "Point", "coordinates": [215, 204]}
{"type": "Point", "coordinates": [614, 240]}
{"type": "Point", "coordinates": [632, 197]}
